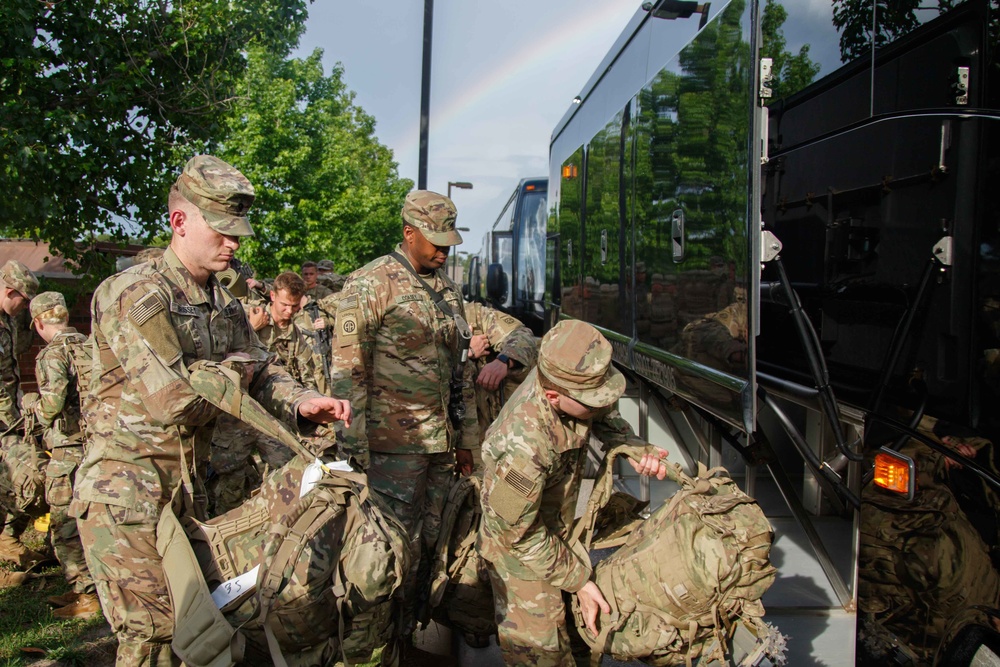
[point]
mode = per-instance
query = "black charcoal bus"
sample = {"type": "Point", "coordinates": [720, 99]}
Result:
{"type": "Point", "coordinates": [509, 271]}
{"type": "Point", "coordinates": [785, 216]}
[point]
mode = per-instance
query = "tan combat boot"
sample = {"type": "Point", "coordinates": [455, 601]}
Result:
{"type": "Point", "coordinates": [85, 606]}
{"type": "Point", "coordinates": [12, 551]}
{"type": "Point", "coordinates": [64, 599]}
{"type": "Point", "coordinates": [11, 579]}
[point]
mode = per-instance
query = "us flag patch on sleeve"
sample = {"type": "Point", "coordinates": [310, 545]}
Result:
{"type": "Point", "coordinates": [518, 481]}
{"type": "Point", "coordinates": [145, 309]}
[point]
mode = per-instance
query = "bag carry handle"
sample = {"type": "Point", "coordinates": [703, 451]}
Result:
{"type": "Point", "coordinates": [604, 486]}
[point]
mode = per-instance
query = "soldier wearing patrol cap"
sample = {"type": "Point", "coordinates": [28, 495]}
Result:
{"type": "Point", "coordinates": [17, 287]}
{"type": "Point", "coordinates": [400, 338]}
{"type": "Point", "coordinates": [153, 324]}
{"type": "Point", "coordinates": [533, 457]}
{"type": "Point", "coordinates": [62, 370]}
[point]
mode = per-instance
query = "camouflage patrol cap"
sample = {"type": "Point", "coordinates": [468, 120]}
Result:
{"type": "Point", "coordinates": [434, 215]}
{"type": "Point", "coordinates": [45, 302]}
{"type": "Point", "coordinates": [223, 194]}
{"type": "Point", "coordinates": [575, 357]}
{"type": "Point", "coordinates": [325, 265]}
{"type": "Point", "coordinates": [17, 276]}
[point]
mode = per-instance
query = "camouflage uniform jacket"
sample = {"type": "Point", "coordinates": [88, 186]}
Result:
{"type": "Point", "coordinates": [297, 355]}
{"type": "Point", "coordinates": [317, 292]}
{"type": "Point", "coordinates": [10, 376]}
{"type": "Point", "coordinates": [58, 387]}
{"type": "Point", "coordinates": [393, 357]}
{"type": "Point", "coordinates": [507, 336]}
{"type": "Point", "coordinates": [151, 323]}
{"type": "Point", "coordinates": [533, 459]}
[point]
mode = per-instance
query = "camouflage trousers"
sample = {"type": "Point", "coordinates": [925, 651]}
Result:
{"type": "Point", "coordinates": [59, 476]}
{"type": "Point", "coordinates": [416, 487]}
{"type": "Point", "coordinates": [235, 475]}
{"type": "Point", "coordinates": [120, 547]}
{"type": "Point", "coordinates": [532, 624]}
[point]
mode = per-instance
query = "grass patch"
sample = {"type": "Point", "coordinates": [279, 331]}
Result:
{"type": "Point", "coordinates": [29, 635]}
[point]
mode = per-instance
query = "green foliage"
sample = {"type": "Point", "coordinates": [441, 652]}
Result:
{"type": "Point", "coordinates": [99, 97]}
{"type": "Point", "coordinates": [326, 189]}
{"type": "Point", "coordinates": [790, 73]}
{"type": "Point", "coordinates": [895, 18]}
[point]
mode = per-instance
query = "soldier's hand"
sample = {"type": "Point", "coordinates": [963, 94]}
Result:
{"type": "Point", "coordinates": [319, 324]}
{"type": "Point", "coordinates": [591, 601]}
{"type": "Point", "coordinates": [478, 346]}
{"type": "Point", "coordinates": [968, 451]}
{"type": "Point", "coordinates": [464, 461]}
{"type": "Point", "coordinates": [492, 375]}
{"type": "Point", "coordinates": [325, 409]}
{"type": "Point", "coordinates": [651, 464]}
{"type": "Point", "coordinates": [29, 401]}
{"type": "Point", "coordinates": [258, 318]}
{"type": "Point", "coordinates": [253, 283]}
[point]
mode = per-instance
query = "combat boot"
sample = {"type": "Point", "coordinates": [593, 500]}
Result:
{"type": "Point", "coordinates": [85, 606]}
{"type": "Point", "coordinates": [11, 579]}
{"type": "Point", "coordinates": [12, 551]}
{"type": "Point", "coordinates": [64, 599]}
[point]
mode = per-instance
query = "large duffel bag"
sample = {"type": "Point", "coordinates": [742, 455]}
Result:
{"type": "Point", "coordinates": [289, 569]}
{"type": "Point", "coordinates": [688, 577]}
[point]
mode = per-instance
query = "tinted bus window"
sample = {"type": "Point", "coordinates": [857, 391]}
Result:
{"type": "Point", "coordinates": [568, 207]}
{"type": "Point", "coordinates": [531, 219]}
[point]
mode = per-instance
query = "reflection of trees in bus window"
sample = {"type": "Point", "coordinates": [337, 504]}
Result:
{"type": "Point", "coordinates": [568, 208]}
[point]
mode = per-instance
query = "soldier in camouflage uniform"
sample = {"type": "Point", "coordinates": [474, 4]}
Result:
{"type": "Point", "coordinates": [310, 274]}
{"type": "Point", "coordinates": [534, 456]}
{"type": "Point", "coordinates": [57, 407]}
{"type": "Point", "coordinates": [394, 356]}
{"type": "Point", "coordinates": [496, 371]}
{"type": "Point", "coordinates": [153, 324]}
{"type": "Point", "coordinates": [17, 287]}
{"type": "Point", "coordinates": [232, 446]}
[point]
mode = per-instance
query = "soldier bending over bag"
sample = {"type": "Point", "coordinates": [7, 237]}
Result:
{"type": "Point", "coordinates": [533, 457]}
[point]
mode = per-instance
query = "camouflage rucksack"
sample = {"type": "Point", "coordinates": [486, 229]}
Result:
{"type": "Point", "coordinates": [461, 595]}
{"type": "Point", "coordinates": [687, 577]}
{"type": "Point", "coordinates": [22, 470]}
{"type": "Point", "coordinates": [317, 555]}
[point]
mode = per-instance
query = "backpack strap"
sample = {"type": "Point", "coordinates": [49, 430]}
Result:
{"type": "Point", "coordinates": [202, 636]}
{"type": "Point", "coordinates": [583, 529]}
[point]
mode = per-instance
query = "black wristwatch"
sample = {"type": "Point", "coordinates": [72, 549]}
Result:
{"type": "Point", "coordinates": [505, 359]}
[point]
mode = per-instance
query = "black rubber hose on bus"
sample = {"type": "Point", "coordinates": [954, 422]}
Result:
{"type": "Point", "coordinates": [900, 335]}
{"type": "Point", "coordinates": [818, 467]}
{"type": "Point", "coordinates": [817, 365]}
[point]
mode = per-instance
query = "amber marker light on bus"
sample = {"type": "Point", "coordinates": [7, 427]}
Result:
{"type": "Point", "coordinates": [895, 472]}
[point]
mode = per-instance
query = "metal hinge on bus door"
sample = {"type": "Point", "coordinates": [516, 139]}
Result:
{"type": "Point", "coordinates": [764, 94]}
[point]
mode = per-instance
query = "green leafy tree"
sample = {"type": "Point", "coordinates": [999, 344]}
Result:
{"type": "Point", "coordinates": [893, 18]}
{"type": "Point", "coordinates": [326, 189]}
{"type": "Point", "coordinates": [790, 72]}
{"type": "Point", "coordinates": [98, 98]}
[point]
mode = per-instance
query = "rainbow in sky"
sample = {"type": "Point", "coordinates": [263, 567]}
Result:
{"type": "Point", "coordinates": [577, 33]}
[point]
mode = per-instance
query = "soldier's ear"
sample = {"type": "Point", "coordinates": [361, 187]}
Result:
{"type": "Point", "coordinates": [178, 220]}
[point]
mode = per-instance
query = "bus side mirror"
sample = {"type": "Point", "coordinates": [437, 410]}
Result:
{"type": "Point", "coordinates": [496, 283]}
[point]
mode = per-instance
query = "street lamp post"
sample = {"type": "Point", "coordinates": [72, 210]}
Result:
{"type": "Point", "coordinates": [461, 185]}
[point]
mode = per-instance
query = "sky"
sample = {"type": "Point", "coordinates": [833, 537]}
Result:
{"type": "Point", "coordinates": [502, 75]}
